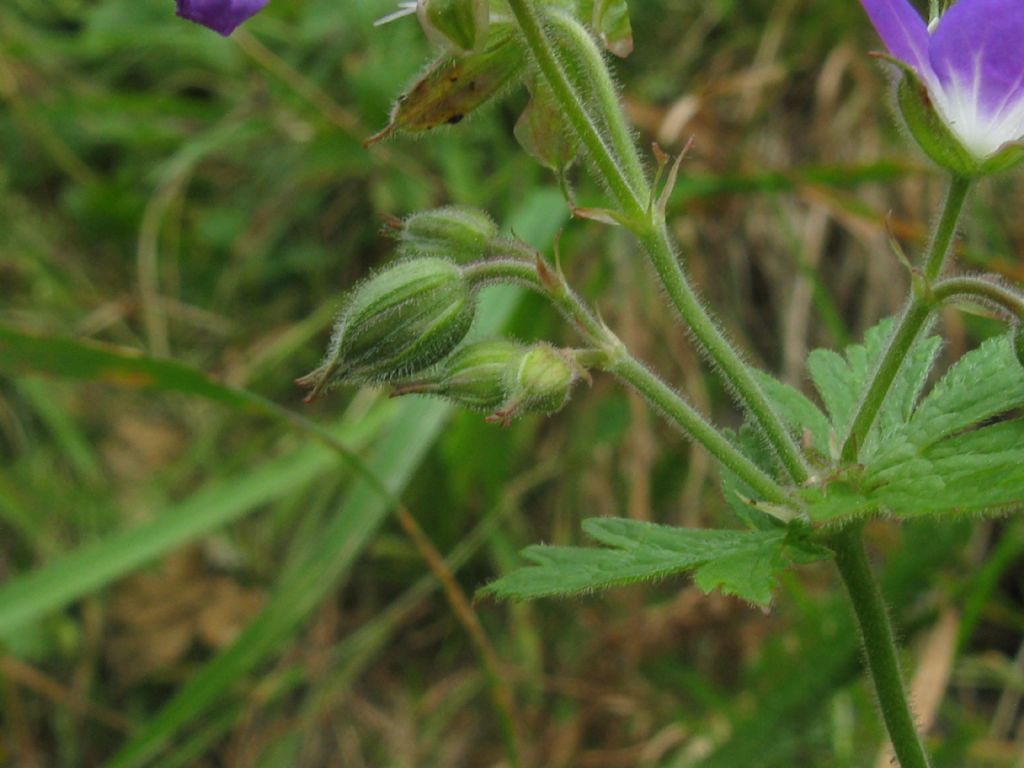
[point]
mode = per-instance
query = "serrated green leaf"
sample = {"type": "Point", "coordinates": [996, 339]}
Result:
{"type": "Point", "coordinates": [985, 382]}
{"type": "Point", "coordinates": [840, 379]}
{"type": "Point", "coordinates": [976, 472]}
{"type": "Point", "coordinates": [748, 575]}
{"type": "Point", "coordinates": [940, 462]}
{"type": "Point", "coordinates": [797, 411]}
{"type": "Point", "coordinates": [983, 471]}
{"type": "Point", "coordinates": [897, 474]}
{"type": "Point", "coordinates": [905, 392]}
{"type": "Point", "coordinates": [837, 385]}
{"type": "Point", "coordinates": [741, 563]}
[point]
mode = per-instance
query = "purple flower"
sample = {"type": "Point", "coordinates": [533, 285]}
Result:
{"type": "Point", "coordinates": [219, 15]}
{"type": "Point", "coordinates": [971, 60]}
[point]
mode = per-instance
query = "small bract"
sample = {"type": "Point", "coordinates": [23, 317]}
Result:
{"type": "Point", "coordinates": [221, 16]}
{"type": "Point", "coordinates": [970, 68]}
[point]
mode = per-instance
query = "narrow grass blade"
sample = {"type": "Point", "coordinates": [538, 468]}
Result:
{"type": "Point", "coordinates": [30, 597]}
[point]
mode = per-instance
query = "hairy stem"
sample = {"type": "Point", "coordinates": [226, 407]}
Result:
{"type": "Point", "coordinates": [688, 419]}
{"type": "Point", "coordinates": [618, 134]}
{"type": "Point", "coordinates": [879, 646]}
{"type": "Point", "coordinates": [942, 238]}
{"type": "Point", "coordinates": [910, 323]}
{"type": "Point", "coordinates": [659, 247]}
{"type": "Point", "coordinates": [647, 224]}
{"type": "Point", "coordinates": [617, 360]}
{"type": "Point", "coordinates": [525, 273]}
{"type": "Point", "coordinates": [984, 289]}
{"type": "Point", "coordinates": [574, 107]}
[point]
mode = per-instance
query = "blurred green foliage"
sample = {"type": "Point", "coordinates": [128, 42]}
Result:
{"type": "Point", "coordinates": [207, 585]}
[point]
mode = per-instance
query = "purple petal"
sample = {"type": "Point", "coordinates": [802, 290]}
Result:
{"type": "Point", "coordinates": [978, 48]}
{"type": "Point", "coordinates": [902, 30]}
{"type": "Point", "coordinates": [222, 16]}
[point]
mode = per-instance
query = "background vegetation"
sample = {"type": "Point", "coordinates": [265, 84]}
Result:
{"type": "Point", "coordinates": [189, 579]}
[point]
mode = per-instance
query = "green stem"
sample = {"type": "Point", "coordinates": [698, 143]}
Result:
{"type": "Point", "coordinates": [981, 288]}
{"type": "Point", "coordinates": [608, 107]}
{"type": "Point", "coordinates": [939, 247]}
{"type": "Point", "coordinates": [575, 108]}
{"type": "Point", "coordinates": [659, 247]}
{"type": "Point", "coordinates": [910, 323]}
{"type": "Point", "coordinates": [524, 273]}
{"type": "Point", "coordinates": [648, 225]}
{"type": "Point", "coordinates": [879, 646]}
{"type": "Point", "coordinates": [689, 420]}
{"type": "Point", "coordinates": [908, 327]}
{"type": "Point", "coordinates": [618, 361]}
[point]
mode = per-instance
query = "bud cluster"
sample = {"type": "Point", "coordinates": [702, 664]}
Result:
{"type": "Point", "coordinates": [405, 326]}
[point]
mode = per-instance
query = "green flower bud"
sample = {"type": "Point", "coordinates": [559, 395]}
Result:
{"type": "Point", "coordinates": [541, 383]}
{"type": "Point", "coordinates": [474, 376]}
{"type": "Point", "coordinates": [397, 323]}
{"type": "Point", "coordinates": [458, 232]}
{"type": "Point", "coordinates": [460, 23]}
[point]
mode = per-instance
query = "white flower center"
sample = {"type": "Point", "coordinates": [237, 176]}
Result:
{"type": "Point", "coordinates": [981, 131]}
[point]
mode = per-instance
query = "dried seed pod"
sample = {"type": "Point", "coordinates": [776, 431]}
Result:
{"type": "Point", "coordinates": [453, 86]}
{"type": "Point", "coordinates": [398, 323]}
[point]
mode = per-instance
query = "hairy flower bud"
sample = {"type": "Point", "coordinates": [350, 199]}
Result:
{"type": "Point", "coordinates": [475, 376]}
{"type": "Point", "coordinates": [503, 378]}
{"type": "Point", "coordinates": [541, 382]}
{"type": "Point", "coordinates": [459, 23]}
{"type": "Point", "coordinates": [458, 232]}
{"type": "Point", "coordinates": [544, 379]}
{"type": "Point", "coordinates": [397, 323]}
